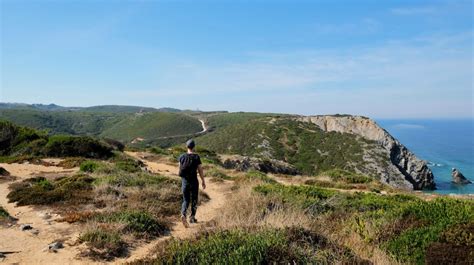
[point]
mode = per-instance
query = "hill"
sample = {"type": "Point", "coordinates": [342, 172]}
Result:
{"type": "Point", "coordinates": [150, 126]}
{"type": "Point", "coordinates": [310, 144]}
{"type": "Point", "coordinates": [313, 148]}
{"type": "Point", "coordinates": [123, 123]}
{"type": "Point", "coordinates": [101, 108]}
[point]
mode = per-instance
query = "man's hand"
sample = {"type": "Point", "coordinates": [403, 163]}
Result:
{"type": "Point", "coordinates": [203, 184]}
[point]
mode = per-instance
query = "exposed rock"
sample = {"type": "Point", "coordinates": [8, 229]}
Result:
{"type": "Point", "coordinates": [4, 172]}
{"type": "Point", "coordinates": [245, 163]}
{"type": "Point", "coordinates": [25, 227]}
{"type": "Point", "coordinates": [458, 177]}
{"type": "Point", "coordinates": [53, 247]}
{"type": "Point", "coordinates": [405, 170]}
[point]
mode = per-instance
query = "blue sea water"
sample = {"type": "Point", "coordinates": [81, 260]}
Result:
{"type": "Point", "coordinates": [444, 144]}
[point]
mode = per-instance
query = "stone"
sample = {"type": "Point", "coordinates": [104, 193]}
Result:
{"type": "Point", "coordinates": [55, 246]}
{"type": "Point", "coordinates": [459, 178]}
{"type": "Point", "coordinates": [25, 227]}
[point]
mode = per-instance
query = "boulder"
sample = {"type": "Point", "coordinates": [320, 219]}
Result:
{"type": "Point", "coordinates": [458, 177]}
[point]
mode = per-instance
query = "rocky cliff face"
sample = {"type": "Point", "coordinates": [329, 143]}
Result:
{"type": "Point", "coordinates": [405, 170]}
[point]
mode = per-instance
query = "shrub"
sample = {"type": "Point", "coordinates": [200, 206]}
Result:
{"type": "Point", "coordinates": [3, 213]}
{"type": "Point", "coordinates": [140, 179]}
{"type": "Point", "coordinates": [103, 244]}
{"type": "Point", "coordinates": [89, 166]}
{"type": "Point", "coordinates": [5, 217]}
{"type": "Point", "coordinates": [253, 175]}
{"type": "Point", "coordinates": [71, 162]}
{"type": "Point", "coordinates": [138, 222]}
{"type": "Point", "coordinates": [218, 174]}
{"type": "Point", "coordinates": [267, 246]}
{"type": "Point", "coordinates": [129, 165]}
{"type": "Point", "coordinates": [40, 191]}
{"type": "Point", "coordinates": [64, 145]}
{"type": "Point", "coordinates": [159, 151]}
{"type": "Point", "coordinates": [442, 215]}
{"type": "Point", "coordinates": [346, 176]}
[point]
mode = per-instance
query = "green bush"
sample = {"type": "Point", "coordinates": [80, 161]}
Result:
{"type": "Point", "coordinates": [140, 179]}
{"type": "Point", "coordinates": [218, 174]}
{"type": "Point", "coordinates": [40, 191]}
{"type": "Point", "coordinates": [64, 145]}
{"type": "Point", "coordinates": [268, 246]}
{"type": "Point", "coordinates": [441, 215]}
{"type": "Point", "coordinates": [346, 176]}
{"type": "Point", "coordinates": [89, 166]}
{"type": "Point", "coordinates": [252, 175]}
{"type": "Point", "coordinates": [103, 244]}
{"type": "Point", "coordinates": [138, 222]}
{"type": "Point", "coordinates": [3, 213]}
{"type": "Point", "coordinates": [129, 165]}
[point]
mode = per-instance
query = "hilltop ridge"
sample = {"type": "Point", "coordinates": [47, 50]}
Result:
{"type": "Point", "coordinates": [310, 144]}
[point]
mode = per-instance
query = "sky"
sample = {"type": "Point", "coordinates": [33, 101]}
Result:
{"type": "Point", "coordinates": [382, 59]}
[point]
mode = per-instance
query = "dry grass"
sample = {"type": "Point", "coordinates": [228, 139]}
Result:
{"type": "Point", "coordinates": [256, 210]}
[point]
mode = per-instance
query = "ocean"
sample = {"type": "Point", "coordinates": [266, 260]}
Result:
{"type": "Point", "coordinates": [444, 144]}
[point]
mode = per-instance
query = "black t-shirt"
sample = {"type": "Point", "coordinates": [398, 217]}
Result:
{"type": "Point", "coordinates": [196, 161]}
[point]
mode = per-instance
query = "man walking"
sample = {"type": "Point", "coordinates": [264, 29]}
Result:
{"type": "Point", "coordinates": [189, 165]}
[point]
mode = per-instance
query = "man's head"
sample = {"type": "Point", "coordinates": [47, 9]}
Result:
{"type": "Point", "coordinates": [190, 144]}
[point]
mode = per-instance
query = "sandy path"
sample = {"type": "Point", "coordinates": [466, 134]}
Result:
{"type": "Point", "coordinates": [205, 212]}
{"type": "Point", "coordinates": [30, 246]}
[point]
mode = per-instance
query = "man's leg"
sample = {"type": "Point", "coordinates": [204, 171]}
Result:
{"type": "Point", "coordinates": [194, 200]}
{"type": "Point", "coordinates": [185, 188]}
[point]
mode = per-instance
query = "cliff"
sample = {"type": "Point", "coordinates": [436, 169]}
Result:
{"type": "Point", "coordinates": [405, 170]}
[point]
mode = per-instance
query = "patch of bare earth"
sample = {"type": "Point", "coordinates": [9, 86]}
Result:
{"type": "Point", "coordinates": [31, 246]}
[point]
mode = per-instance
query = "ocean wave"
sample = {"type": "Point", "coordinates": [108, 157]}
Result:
{"type": "Point", "coordinates": [433, 164]}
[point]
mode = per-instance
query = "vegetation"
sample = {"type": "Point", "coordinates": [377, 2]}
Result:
{"type": "Point", "coordinates": [138, 222]}
{"type": "Point", "coordinates": [41, 191]}
{"type": "Point", "coordinates": [103, 243]}
{"type": "Point", "coordinates": [266, 246]}
{"type": "Point", "coordinates": [18, 141]}
{"type": "Point", "coordinates": [153, 125]}
{"type": "Point", "coordinates": [304, 145]}
{"type": "Point", "coordinates": [339, 175]}
{"type": "Point", "coordinates": [405, 226]}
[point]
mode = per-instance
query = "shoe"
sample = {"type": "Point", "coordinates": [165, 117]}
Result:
{"type": "Point", "coordinates": [185, 223]}
{"type": "Point", "coordinates": [193, 220]}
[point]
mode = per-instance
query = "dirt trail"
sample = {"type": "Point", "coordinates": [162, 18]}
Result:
{"type": "Point", "coordinates": [205, 213]}
{"type": "Point", "coordinates": [31, 247]}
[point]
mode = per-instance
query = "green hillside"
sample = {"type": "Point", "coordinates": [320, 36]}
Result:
{"type": "Point", "coordinates": [226, 119]}
{"type": "Point", "coordinates": [63, 122]}
{"type": "Point", "coordinates": [117, 122]}
{"type": "Point", "coordinates": [304, 145]}
{"type": "Point", "coordinates": [18, 141]}
{"type": "Point", "coordinates": [152, 126]}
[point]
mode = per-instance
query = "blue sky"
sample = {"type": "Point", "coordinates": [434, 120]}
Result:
{"type": "Point", "coordinates": [383, 59]}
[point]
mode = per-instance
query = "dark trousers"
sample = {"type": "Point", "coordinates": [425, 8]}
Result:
{"type": "Point", "coordinates": [190, 189]}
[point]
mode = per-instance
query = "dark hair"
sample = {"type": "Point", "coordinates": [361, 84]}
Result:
{"type": "Point", "coordinates": [190, 144]}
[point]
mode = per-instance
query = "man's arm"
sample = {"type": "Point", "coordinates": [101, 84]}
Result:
{"type": "Point", "coordinates": [201, 174]}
